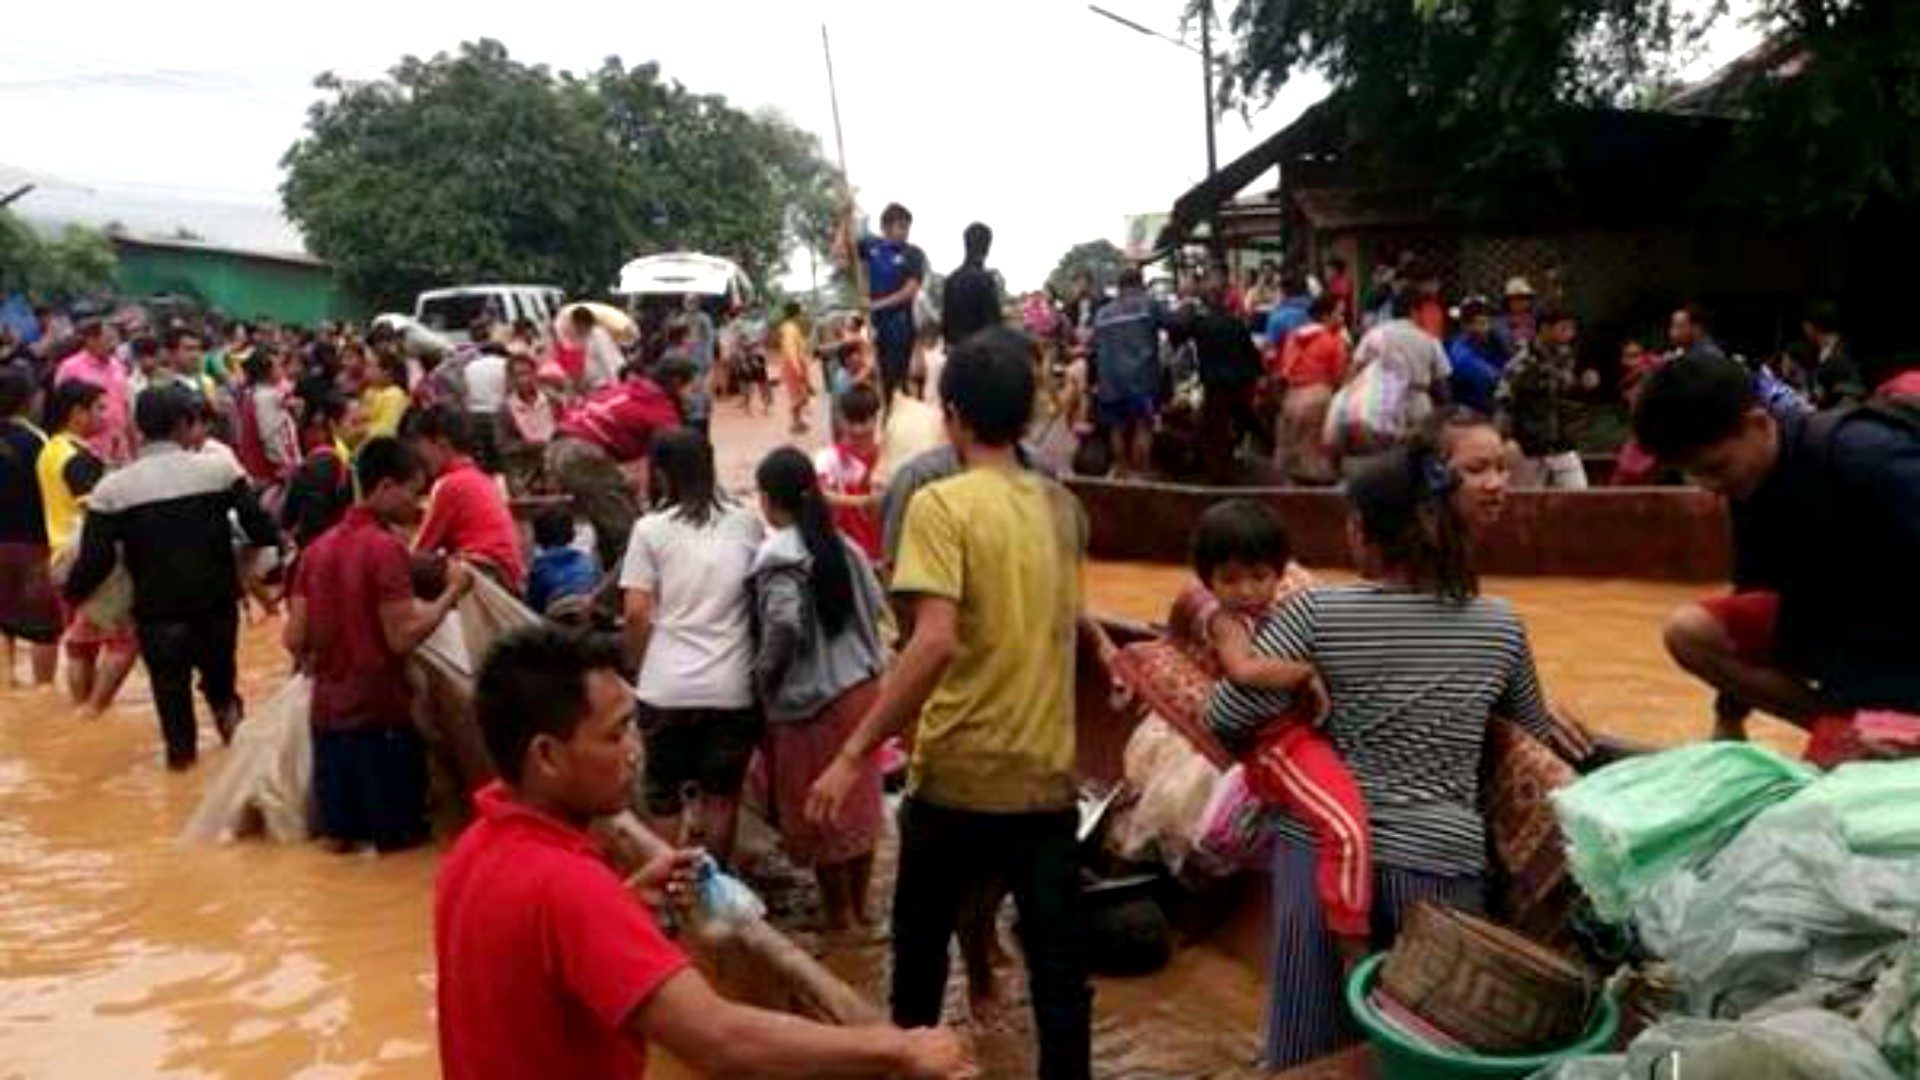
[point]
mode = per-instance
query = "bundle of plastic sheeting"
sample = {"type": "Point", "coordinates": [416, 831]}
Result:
{"type": "Point", "coordinates": [1892, 1016]}
{"type": "Point", "coordinates": [1875, 802]}
{"type": "Point", "coordinates": [1631, 824]}
{"type": "Point", "coordinates": [1807, 1044]}
{"type": "Point", "coordinates": [1174, 782]}
{"type": "Point", "coordinates": [1786, 915]}
{"type": "Point", "coordinates": [265, 782]}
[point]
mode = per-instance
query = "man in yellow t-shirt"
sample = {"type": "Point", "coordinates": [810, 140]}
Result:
{"type": "Point", "coordinates": [989, 560]}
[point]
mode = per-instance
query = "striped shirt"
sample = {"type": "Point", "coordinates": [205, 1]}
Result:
{"type": "Point", "coordinates": [1414, 679]}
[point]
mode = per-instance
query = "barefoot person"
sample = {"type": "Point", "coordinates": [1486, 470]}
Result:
{"type": "Point", "coordinates": [817, 670]}
{"type": "Point", "coordinates": [166, 517]}
{"type": "Point", "coordinates": [1826, 533]}
{"type": "Point", "coordinates": [351, 623]}
{"type": "Point", "coordinates": [98, 639]}
{"type": "Point", "coordinates": [548, 966]}
{"type": "Point", "coordinates": [990, 559]}
{"type": "Point", "coordinates": [689, 633]}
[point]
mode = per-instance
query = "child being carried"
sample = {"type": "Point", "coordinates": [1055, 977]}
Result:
{"type": "Point", "coordinates": [1244, 563]}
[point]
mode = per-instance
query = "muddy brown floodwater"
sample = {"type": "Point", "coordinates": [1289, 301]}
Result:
{"type": "Point", "coordinates": [125, 954]}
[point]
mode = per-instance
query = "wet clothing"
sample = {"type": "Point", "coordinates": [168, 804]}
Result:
{"type": "Point", "coordinates": [543, 954]}
{"type": "Point", "coordinates": [1306, 1008]}
{"type": "Point", "coordinates": [946, 854]}
{"type": "Point", "coordinates": [344, 578]}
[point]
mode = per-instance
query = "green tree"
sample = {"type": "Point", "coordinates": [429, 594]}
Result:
{"type": "Point", "coordinates": [1100, 260]}
{"type": "Point", "coordinates": [76, 262]}
{"type": "Point", "coordinates": [1467, 91]}
{"type": "Point", "coordinates": [473, 166]}
{"type": "Point", "coordinates": [1832, 111]}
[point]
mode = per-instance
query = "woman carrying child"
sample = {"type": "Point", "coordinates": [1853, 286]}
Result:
{"type": "Point", "coordinates": [1415, 663]}
{"type": "Point", "coordinates": [817, 670]}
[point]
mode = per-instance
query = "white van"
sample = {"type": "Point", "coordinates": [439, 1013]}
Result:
{"type": "Point", "coordinates": [449, 312]}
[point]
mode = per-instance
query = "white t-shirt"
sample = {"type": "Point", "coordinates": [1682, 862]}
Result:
{"type": "Point", "coordinates": [700, 655]}
{"type": "Point", "coordinates": [486, 383]}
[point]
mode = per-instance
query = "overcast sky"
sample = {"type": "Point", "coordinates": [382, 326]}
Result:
{"type": "Point", "coordinates": [1036, 116]}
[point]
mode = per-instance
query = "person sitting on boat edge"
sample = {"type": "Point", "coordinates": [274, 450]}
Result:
{"type": "Point", "coordinates": [1826, 525]}
{"type": "Point", "coordinates": [547, 964]}
{"type": "Point", "coordinates": [1416, 662]}
{"type": "Point", "coordinates": [1244, 563]}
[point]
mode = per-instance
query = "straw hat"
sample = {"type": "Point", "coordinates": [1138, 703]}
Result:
{"type": "Point", "coordinates": [1519, 286]}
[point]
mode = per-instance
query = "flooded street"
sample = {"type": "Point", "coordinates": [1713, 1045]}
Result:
{"type": "Point", "coordinates": [125, 954]}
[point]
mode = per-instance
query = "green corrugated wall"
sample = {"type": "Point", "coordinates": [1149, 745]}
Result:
{"type": "Point", "coordinates": [242, 286]}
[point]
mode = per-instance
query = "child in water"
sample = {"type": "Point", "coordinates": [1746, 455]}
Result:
{"type": "Point", "coordinates": [1243, 559]}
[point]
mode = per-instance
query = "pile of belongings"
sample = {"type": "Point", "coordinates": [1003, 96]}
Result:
{"type": "Point", "coordinates": [1786, 902]}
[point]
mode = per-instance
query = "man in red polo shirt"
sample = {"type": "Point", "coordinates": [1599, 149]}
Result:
{"type": "Point", "coordinates": [548, 965]}
{"type": "Point", "coordinates": [467, 513]}
{"type": "Point", "coordinates": [613, 427]}
{"type": "Point", "coordinates": [351, 623]}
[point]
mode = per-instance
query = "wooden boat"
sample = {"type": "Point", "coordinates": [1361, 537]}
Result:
{"type": "Point", "coordinates": [1663, 533]}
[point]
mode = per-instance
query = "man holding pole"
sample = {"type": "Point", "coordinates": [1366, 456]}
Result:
{"type": "Point", "coordinates": [894, 270]}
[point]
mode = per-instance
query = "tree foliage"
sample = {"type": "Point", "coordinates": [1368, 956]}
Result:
{"type": "Point", "coordinates": [1100, 260]}
{"type": "Point", "coordinates": [76, 262]}
{"type": "Point", "coordinates": [1470, 89]}
{"type": "Point", "coordinates": [473, 166]}
{"type": "Point", "coordinates": [1834, 121]}
{"type": "Point", "coordinates": [1471, 92]}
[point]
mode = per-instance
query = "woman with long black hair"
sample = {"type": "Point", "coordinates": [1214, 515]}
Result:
{"type": "Point", "coordinates": [689, 634]}
{"type": "Point", "coordinates": [817, 670]}
{"type": "Point", "coordinates": [1416, 663]}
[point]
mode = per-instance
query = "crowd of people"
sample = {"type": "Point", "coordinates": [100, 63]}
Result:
{"type": "Point", "coordinates": [1309, 374]}
{"type": "Point", "coordinates": [153, 481]}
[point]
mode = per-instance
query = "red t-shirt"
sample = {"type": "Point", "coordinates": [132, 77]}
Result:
{"type": "Point", "coordinates": [622, 419]}
{"type": "Point", "coordinates": [1314, 355]}
{"type": "Point", "coordinates": [845, 471]}
{"type": "Point", "coordinates": [344, 577]}
{"type": "Point", "coordinates": [542, 952]}
{"type": "Point", "coordinates": [467, 515]}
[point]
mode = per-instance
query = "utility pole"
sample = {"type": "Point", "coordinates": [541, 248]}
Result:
{"type": "Point", "coordinates": [1206, 81]}
{"type": "Point", "coordinates": [1206, 63]}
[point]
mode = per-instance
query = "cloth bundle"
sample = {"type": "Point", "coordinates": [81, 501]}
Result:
{"type": "Point", "coordinates": [1631, 824]}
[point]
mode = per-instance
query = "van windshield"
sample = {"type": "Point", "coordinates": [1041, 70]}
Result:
{"type": "Point", "coordinates": [454, 314]}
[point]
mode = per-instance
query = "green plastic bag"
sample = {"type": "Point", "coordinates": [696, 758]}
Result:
{"type": "Point", "coordinates": [1877, 802]}
{"type": "Point", "coordinates": [1632, 823]}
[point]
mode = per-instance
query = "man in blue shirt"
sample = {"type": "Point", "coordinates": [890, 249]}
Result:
{"type": "Point", "coordinates": [895, 270]}
{"type": "Point", "coordinates": [1126, 371]}
{"type": "Point", "coordinates": [1291, 313]}
{"type": "Point", "coordinates": [1476, 357]}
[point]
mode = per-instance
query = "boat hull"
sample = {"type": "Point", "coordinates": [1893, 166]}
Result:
{"type": "Point", "coordinates": [1659, 533]}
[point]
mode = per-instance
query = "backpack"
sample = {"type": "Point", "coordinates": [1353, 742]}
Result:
{"type": "Point", "coordinates": [1369, 414]}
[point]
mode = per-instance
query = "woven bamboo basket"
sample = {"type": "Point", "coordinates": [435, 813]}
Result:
{"type": "Point", "coordinates": [1490, 988]}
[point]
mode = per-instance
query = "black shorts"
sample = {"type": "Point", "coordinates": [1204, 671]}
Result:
{"type": "Point", "coordinates": [708, 747]}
